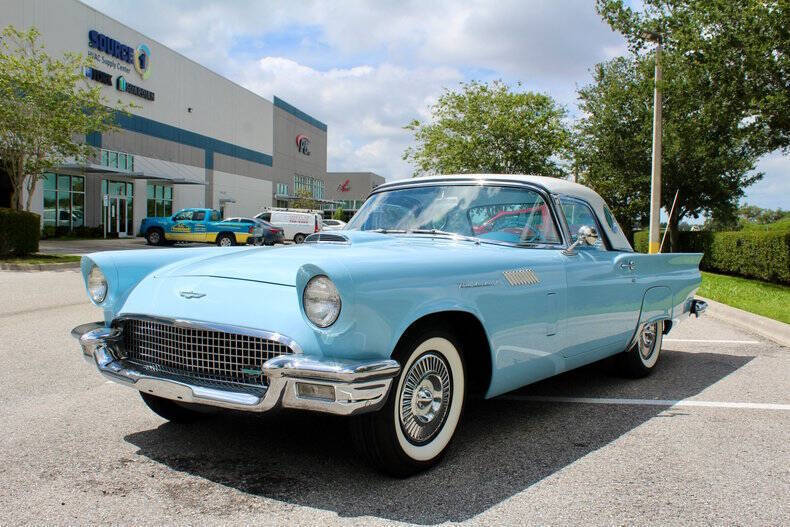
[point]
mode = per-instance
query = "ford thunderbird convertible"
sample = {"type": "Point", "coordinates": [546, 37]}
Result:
{"type": "Point", "coordinates": [438, 289]}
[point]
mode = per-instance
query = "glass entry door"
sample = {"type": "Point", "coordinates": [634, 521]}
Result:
{"type": "Point", "coordinates": [116, 211]}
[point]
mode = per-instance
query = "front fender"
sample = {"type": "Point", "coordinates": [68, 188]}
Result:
{"type": "Point", "coordinates": [125, 269]}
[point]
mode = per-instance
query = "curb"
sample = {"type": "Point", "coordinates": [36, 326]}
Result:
{"type": "Point", "coordinates": [39, 267]}
{"type": "Point", "coordinates": [774, 330]}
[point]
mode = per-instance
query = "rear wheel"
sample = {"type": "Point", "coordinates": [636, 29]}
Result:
{"type": "Point", "coordinates": [171, 410]}
{"type": "Point", "coordinates": [226, 240]}
{"type": "Point", "coordinates": [414, 428]}
{"type": "Point", "coordinates": [299, 238]}
{"type": "Point", "coordinates": [643, 356]}
{"type": "Point", "coordinates": [155, 237]}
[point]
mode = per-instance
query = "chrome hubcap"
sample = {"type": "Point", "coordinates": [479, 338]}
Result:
{"type": "Point", "coordinates": [155, 237]}
{"type": "Point", "coordinates": [425, 398]}
{"type": "Point", "coordinates": [225, 242]}
{"type": "Point", "coordinates": [647, 340]}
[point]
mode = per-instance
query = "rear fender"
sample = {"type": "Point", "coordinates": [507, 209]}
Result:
{"type": "Point", "coordinates": [656, 305]}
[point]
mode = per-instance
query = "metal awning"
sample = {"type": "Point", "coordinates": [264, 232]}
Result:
{"type": "Point", "coordinates": [76, 169]}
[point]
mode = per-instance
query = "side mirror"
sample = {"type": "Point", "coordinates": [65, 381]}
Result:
{"type": "Point", "coordinates": [585, 236]}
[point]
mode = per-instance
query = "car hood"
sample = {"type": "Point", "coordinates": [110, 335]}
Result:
{"type": "Point", "coordinates": [281, 265]}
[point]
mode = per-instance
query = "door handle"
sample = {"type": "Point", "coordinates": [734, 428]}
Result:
{"type": "Point", "coordinates": [630, 265]}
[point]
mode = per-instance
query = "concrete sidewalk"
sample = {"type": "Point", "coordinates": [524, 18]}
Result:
{"type": "Point", "coordinates": [774, 330]}
{"type": "Point", "coordinates": [97, 245]}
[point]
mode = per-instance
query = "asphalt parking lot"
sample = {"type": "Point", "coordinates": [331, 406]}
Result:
{"type": "Point", "coordinates": [706, 439]}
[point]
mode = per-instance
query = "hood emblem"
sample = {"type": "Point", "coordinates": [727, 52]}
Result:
{"type": "Point", "coordinates": [191, 294]}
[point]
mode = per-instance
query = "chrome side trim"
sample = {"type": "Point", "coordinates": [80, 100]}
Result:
{"type": "Point", "coordinates": [357, 386]}
{"type": "Point", "coordinates": [212, 326]}
{"type": "Point", "coordinates": [524, 276]}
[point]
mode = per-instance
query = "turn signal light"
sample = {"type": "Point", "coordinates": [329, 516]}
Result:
{"type": "Point", "coordinates": [308, 390]}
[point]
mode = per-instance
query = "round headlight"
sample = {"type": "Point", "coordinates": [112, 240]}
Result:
{"type": "Point", "coordinates": [321, 301]}
{"type": "Point", "coordinates": [97, 285]}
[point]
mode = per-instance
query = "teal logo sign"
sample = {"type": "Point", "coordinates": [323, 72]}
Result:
{"type": "Point", "coordinates": [122, 85]}
{"type": "Point", "coordinates": [142, 61]}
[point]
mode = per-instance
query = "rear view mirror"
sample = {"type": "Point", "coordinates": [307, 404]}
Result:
{"type": "Point", "coordinates": [586, 235]}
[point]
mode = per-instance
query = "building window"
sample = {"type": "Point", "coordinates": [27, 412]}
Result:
{"type": "Point", "coordinates": [312, 185]}
{"type": "Point", "coordinates": [119, 160]}
{"type": "Point", "coordinates": [160, 200]}
{"type": "Point", "coordinates": [64, 200]}
{"type": "Point", "coordinates": [282, 189]}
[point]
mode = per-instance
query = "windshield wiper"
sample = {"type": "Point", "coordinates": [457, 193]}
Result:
{"type": "Point", "coordinates": [389, 231]}
{"type": "Point", "coordinates": [445, 233]}
{"type": "Point", "coordinates": [432, 231]}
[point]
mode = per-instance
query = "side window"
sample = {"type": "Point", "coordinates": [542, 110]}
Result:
{"type": "Point", "coordinates": [617, 236]}
{"type": "Point", "coordinates": [183, 216]}
{"type": "Point", "coordinates": [578, 214]}
{"type": "Point", "coordinates": [506, 222]}
{"type": "Point", "coordinates": [267, 216]}
{"type": "Point", "coordinates": [214, 215]}
{"type": "Point", "coordinates": [199, 215]}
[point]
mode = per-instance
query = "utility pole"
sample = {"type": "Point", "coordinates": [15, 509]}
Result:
{"type": "Point", "coordinates": [655, 179]}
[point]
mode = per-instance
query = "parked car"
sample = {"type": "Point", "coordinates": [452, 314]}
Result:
{"type": "Point", "coordinates": [197, 225]}
{"type": "Point", "coordinates": [333, 225]}
{"type": "Point", "coordinates": [269, 233]}
{"type": "Point", "coordinates": [395, 320]}
{"type": "Point", "coordinates": [296, 225]}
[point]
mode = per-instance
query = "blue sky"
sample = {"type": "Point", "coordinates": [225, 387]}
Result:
{"type": "Point", "coordinates": [368, 68]}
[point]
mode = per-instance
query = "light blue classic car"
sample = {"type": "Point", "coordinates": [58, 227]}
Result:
{"type": "Point", "coordinates": [438, 289]}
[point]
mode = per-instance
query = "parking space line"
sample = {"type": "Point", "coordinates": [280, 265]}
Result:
{"type": "Point", "coordinates": [715, 341]}
{"type": "Point", "coordinates": [646, 402]}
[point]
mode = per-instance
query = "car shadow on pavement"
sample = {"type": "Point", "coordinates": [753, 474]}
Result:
{"type": "Point", "coordinates": [502, 447]}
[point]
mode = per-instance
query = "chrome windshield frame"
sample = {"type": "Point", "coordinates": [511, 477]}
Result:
{"type": "Point", "coordinates": [547, 196]}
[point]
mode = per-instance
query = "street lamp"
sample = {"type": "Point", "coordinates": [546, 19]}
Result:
{"type": "Point", "coordinates": [655, 178]}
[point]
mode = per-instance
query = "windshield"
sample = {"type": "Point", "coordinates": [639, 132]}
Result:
{"type": "Point", "coordinates": [501, 214]}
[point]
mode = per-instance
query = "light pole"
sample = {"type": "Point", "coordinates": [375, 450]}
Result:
{"type": "Point", "coordinates": [655, 178]}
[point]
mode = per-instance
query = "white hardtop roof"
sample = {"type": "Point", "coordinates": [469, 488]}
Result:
{"type": "Point", "coordinates": [552, 184]}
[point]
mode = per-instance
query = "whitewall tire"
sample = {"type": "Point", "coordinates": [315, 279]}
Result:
{"type": "Point", "coordinates": [642, 357]}
{"type": "Point", "coordinates": [413, 430]}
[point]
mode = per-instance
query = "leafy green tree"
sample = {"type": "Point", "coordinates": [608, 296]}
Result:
{"type": "Point", "coordinates": [339, 214]}
{"type": "Point", "coordinates": [738, 53]}
{"type": "Point", "coordinates": [706, 155]}
{"type": "Point", "coordinates": [45, 103]}
{"type": "Point", "coordinates": [304, 200]}
{"type": "Point", "coordinates": [489, 128]}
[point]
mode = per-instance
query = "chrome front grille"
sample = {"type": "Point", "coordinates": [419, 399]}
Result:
{"type": "Point", "coordinates": [208, 356]}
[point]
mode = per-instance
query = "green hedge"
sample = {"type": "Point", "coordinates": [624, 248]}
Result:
{"type": "Point", "coordinates": [19, 232]}
{"type": "Point", "coordinates": [751, 253]}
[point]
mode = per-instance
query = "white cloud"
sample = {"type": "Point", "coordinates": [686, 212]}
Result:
{"type": "Point", "coordinates": [365, 107]}
{"type": "Point", "coordinates": [367, 68]}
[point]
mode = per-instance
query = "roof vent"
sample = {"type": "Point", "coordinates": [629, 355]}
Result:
{"type": "Point", "coordinates": [322, 237]}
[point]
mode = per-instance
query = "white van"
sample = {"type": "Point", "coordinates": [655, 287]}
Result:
{"type": "Point", "coordinates": [295, 225]}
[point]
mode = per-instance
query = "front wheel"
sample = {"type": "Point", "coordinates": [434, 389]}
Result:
{"type": "Point", "coordinates": [643, 356]}
{"type": "Point", "coordinates": [414, 428]}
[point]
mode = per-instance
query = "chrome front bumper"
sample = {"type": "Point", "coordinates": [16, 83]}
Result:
{"type": "Point", "coordinates": [357, 386]}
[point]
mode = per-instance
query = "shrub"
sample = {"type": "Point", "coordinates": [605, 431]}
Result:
{"type": "Point", "coordinates": [762, 254]}
{"type": "Point", "coordinates": [19, 232]}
